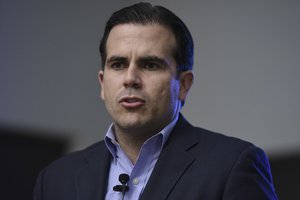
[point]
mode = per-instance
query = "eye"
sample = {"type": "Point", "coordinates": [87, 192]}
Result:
{"type": "Point", "coordinates": [151, 66]}
{"type": "Point", "coordinates": [117, 65]}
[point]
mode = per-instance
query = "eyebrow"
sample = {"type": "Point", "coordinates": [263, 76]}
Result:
{"type": "Point", "coordinates": [116, 59]}
{"type": "Point", "coordinates": [143, 59]}
{"type": "Point", "coordinates": [155, 59]}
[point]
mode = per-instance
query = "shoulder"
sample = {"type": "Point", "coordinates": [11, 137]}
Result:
{"type": "Point", "coordinates": [221, 163]}
{"type": "Point", "coordinates": [228, 150]}
{"type": "Point", "coordinates": [71, 162]}
{"type": "Point", "coordinates": [60, 178]}
{"type": "Point", "coordinates": [185, 133]}
{"type": "Point", "coordinates": [212, 146]}
{"type": "Point", "coordinates": [221, 141]}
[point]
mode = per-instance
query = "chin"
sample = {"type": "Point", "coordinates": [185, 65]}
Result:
{"type": "Point", "coordinates": [132, 123]}
{"type": "Point", "coordinates": [129, 122]}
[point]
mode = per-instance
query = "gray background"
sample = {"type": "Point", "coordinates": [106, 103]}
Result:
{"type": "Point", "coordinates": [246, 68]}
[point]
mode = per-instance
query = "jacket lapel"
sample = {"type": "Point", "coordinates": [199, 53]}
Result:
{"type": "Point", "coordinates": [91, 182]}
{"type": "Point", "coordinates": [174, 160]}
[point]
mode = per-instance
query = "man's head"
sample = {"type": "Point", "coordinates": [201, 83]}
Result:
{"type": "Point", "coordinates": [145, 13]}
{"type": "Point", "coordinates": [141, 82]}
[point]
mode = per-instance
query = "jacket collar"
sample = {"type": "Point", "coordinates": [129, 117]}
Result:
{"type": "Point", "coordinates": [91, 181]}
{"type": "Point", "coordinates": [173, 162]}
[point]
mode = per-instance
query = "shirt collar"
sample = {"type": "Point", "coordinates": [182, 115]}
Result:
{"type": "Point", "coordinates": [111, 142]}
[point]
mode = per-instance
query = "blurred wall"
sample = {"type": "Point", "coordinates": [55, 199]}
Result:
{"type": "Point", "coordinates": [247, 71]}
{"type": "Point", "coordinates": [247, 68]}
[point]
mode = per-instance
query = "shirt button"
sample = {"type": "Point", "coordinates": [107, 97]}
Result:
{"type": "Point", "coordinates": [135, 181]}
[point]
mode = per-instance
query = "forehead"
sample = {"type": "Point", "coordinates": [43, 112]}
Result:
{"type": "Point", "coordinates": [142, 39]}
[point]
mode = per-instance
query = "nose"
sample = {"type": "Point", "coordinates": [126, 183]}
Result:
{"type": "Point", "coordinates": [132, 77]}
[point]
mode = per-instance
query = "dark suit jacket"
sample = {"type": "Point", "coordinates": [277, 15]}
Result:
{"type": "Point", "coordinates": [195, 164]}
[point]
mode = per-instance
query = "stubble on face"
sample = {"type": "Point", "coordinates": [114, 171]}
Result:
{"type": "Point", "coordinates": [152, 83]}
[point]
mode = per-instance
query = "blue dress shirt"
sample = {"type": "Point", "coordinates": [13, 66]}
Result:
{"type": "Point", "coordinates": [141, 171]}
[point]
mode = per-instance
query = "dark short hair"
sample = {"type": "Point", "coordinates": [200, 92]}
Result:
{"type": "Point", "coordinates": [145, 13]}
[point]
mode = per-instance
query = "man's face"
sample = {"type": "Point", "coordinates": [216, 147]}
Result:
{"type": "Point", "coordinates": [139, 84]}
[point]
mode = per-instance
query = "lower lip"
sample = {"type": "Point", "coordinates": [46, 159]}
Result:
{"type": "Point", "coordinates": [132, 104]}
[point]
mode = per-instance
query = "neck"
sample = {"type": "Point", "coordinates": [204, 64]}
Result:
{"type": "Point", "coordinates": [132, 139]}
{"type": "Point", "coordinates": [131, 142]}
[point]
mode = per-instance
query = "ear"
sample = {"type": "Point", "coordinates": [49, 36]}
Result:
{"type": "Point", "coordinates": [186, 79]}
{"type": "Point", "coordinates": [101, 82]}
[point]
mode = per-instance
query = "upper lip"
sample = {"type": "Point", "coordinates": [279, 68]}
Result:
{"type": "Point", "coordinates": [131, 98]}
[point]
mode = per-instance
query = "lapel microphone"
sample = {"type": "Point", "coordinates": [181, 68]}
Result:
{"type": "Point", "coordinates": [123, 178]}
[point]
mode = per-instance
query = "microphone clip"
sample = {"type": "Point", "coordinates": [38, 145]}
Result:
{"type": "Point", "coordinates": [123, 178]}
{"type": "Point", "coordinates": [121, 188]}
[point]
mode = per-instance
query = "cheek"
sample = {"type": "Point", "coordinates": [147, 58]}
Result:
{"type": "Point", "coordinates": [108, 93]}
{"type": "Point", "coordinates": [104, 90]}
{"type": "Point", "coordinates": [107, 90]}
{"type": "Point", "coordinates": [165, 92]}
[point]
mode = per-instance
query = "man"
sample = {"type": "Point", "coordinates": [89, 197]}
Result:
{"type": "Point", "coordinates": [147, 58]}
